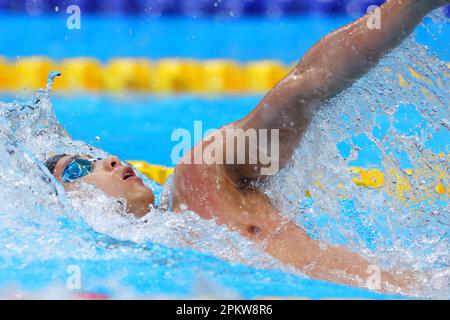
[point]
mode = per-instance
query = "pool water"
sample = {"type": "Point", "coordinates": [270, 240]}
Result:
{"type": "Point", "coordinates": [39, 262]}
{"type": "Point", "coordinates": [43, 236]}
{"type": "Point", "coordinates": [141, 127]}
{"type": "Point", "coordinates": [241, 40]}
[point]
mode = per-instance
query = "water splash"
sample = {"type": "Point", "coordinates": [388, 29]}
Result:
{"type": "Point", "coordinates": [55, 221]}
{"type": "Point", "coordinates": [395, 119]}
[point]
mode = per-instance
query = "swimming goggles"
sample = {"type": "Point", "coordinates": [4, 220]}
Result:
{"type": "Point", "coordinates": [77, 169]}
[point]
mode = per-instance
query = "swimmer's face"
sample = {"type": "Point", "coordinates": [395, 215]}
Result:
{"type": "Point", "coordinates": [114, 179]}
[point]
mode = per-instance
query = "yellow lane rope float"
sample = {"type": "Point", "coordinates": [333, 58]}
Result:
{"type": "Point", "coordinates": [155, 172]}
{"type": "Point", "coordinates": [143, 75]}
{"type": "Point", "coordinates": [437, 189]}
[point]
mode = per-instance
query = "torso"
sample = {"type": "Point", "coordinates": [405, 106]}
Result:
{"type": "Point", "coordinates": [209, 191]}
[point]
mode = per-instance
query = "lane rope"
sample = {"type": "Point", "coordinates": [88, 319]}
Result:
{"type": "Point", "coordinates": [403, 188]}
{"type": "Point", "coordinates": [168, 75]}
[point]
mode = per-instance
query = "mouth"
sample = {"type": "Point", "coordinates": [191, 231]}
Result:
{"type": "Point", "coordinates": [128, 174]}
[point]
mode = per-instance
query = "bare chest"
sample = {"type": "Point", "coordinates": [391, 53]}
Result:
{"type": "Point", "coordinates": [208, 191]}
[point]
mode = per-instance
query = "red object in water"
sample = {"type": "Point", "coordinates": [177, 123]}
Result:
{"type": "Point", "coordinates": [93, 296]}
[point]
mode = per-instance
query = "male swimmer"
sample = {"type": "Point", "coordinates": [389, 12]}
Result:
{"type": "Point", "coordinates": [229, 192]}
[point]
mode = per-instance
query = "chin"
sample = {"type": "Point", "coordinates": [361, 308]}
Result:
{"type": "Point", "coordinates": [139, 201]}
{"type": "Point", "coordinates": [150, 196]}
{"type": "Point", "coordinates": [143, 194]}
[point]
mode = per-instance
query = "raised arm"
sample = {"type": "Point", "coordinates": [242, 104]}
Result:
{"type": "Point", "coordinates": [331, 66]}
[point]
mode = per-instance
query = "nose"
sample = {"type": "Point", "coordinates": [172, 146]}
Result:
{"type": "Point", "coordinates": [111, 163]}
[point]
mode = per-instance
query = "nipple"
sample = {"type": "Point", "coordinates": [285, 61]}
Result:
{"type": "Point", "coordinates": [253, 229]}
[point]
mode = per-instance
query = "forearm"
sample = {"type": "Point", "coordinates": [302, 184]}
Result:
{"type": "Point", "coordinates": [345, 55]}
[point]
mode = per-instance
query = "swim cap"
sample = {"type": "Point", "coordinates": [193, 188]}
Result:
{"type": "Point", "coordinates": [51, 162]}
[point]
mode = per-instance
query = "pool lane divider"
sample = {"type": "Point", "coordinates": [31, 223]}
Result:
{"type": "Point", "coordinates": [221, 9]}
{"type": "Point", "coordinates": [169, 75]}
{"type": "Point", "coordinates": [155, 172]}
{"type": "Point", "coordinates": [402, 189]}
{"type": "Point", "coordinates": [192, 8]}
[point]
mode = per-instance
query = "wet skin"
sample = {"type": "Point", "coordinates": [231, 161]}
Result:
{"type": "Point", "coordinates": [226, 192]}
{"type": "Point", "coordinates": [115, 179]}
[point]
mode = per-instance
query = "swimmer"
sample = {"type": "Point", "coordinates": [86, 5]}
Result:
{"type": "Point", "coordinates": [230, 193]}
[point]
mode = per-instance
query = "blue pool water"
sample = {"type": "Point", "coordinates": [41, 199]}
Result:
{"type": "Point", "coordinates": [242, 40]}
{"type": "Point", "coordinates": [139, 128]}
{"type": "Point", "coordinates": [165, 272]}
{"type": "Point", "coordinates": [123, 269]}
